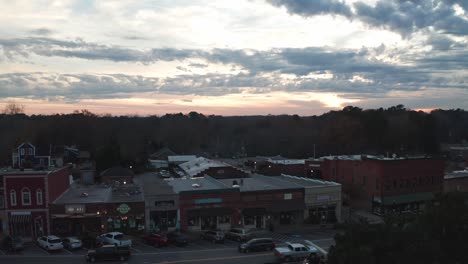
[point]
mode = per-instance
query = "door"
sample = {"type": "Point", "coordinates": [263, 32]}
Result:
{"type": "Point", "coordinates": [258, 221]}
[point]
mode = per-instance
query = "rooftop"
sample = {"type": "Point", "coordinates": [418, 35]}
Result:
{"type": "Point", "coordinates": [85, 194]}
{"type": "Point", "coordinates": [117, 172]}
{"type": "Point", "coordinates": [456, 174]}
{"type": "Point", "coordinates": [153, 185]}
{"type": "Point", "coordinates": [371, 157]}
{"type": "Point", "coordinates": [12, 171]}
{"type": "Point", "coordinates": [287, 161]}
{"type": "Point", "coordinates": [181, 158]}
{"type": "Point", "coordinates": [204, 183]}
{"type": "Point", "coordinates": [257, 182]}
{"type": "Point", "coordinates": [78, 194]}
{"type": "Point", "coordinates": [195, 166]}
{"type": "Point", "coordinates": [307, 182]}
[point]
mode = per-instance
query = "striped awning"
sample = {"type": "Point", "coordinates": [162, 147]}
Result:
{"type": "Point", "coordinates": [23, 218]}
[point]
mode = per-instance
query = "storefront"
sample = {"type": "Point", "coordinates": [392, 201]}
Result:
{"type": "Point", "coordinates": [290, 212]}
{"type": "Point", "coordinates": [28, 225]}
{"type": "Point", "coordinates": [163, 220]}
{"type": "Point", "coordinates": [125, 217]}
{"type": "Point", "coordinates": [209, 218]}
{"type": "Point", "coordinates": [254, 217]}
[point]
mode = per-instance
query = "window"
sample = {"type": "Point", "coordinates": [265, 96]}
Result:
{"type": "Point", "coordinates": [194, 221]}
{"type": "Point", "coordinates": [225, 219]}
{"type": "Point", "coordinates": [26, 196]}
{"type": "Point", "coordinates": [22, 151]}
{"type": "Point", "coordinates": [249, 220]}
{"type": "Point", "coordinates": [13, 198]}
{"type": "Point", "coordinates": [30, 151]}
{"type": "Point", "coordinates": [39, 197]}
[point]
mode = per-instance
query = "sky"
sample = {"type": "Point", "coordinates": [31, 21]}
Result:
{"type": "Point", "coordinates": [253, 57]}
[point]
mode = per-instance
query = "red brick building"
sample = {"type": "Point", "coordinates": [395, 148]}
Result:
{"type": "Point", "coordinates": [456, 181]}
{"type": "Point", "coordinates": [386, 184]}
{"type": "Point", "coordinates": [98, 208]}
{"type": "Point", "coordinates": [27, 198]}
{"type": "Point", "coordinates": [256, 201]}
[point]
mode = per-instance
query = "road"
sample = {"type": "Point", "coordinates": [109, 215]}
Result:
{"type": "Point", "coordinates": [198, 252]}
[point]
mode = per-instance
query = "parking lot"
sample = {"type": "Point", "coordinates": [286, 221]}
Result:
{"type": "Point", "coordinates": [141, 248]}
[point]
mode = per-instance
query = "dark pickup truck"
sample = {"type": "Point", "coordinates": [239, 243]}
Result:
{"type": "Point", "coordinates": [108, 252]}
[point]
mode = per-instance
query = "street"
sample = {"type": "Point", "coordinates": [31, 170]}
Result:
{"type": "Point", "coordinates": [198, 251]}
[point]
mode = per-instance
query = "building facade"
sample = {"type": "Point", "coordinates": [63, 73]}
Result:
{"type": "Point", "coordinates": [98, 208]}
{"type": "Point", "coordinates": [27, 198]}
{"type": "Point", "coordinates": [386, 185]}
{"type": "Point", "coordinates": [28, 155]}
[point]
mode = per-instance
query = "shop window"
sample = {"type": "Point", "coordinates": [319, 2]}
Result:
{"type": "Point", "coordinates": [131, 222]}
{"type": "Point", "coordinates": [117, 223]}
{"type": "Point", "coordinates": [13, 198]}
{"type": "Point", "coordinates": [225, 219]}
{"type": "Point", "coordinates": [194, 221]}
{"type": "Point", "coordinates": [249, 220]}
{"type": "Point", "coordinates": [39, 197]}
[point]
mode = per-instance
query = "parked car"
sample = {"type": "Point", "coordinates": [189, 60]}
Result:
{"type": "Point", "coordinates": [12, 243]}
{"type": "Point", "coordinates": [238, 234]}
{"type": "Point", "coordinates": [177, 238]}
{"type": "Point", "coordinates": [108, 252]}
{"type": "Point", "coordinates": [116, 239]}
{"type": "Point", "coordinates": [50, 243]}
{"type": "Point", "coordinates": [157, 240]}
{"type": "Point", "coordinates": [257, 244]}
{"type": "Point", "coordinates": [213, 236]}
{"type": "Point", "coordinates": [71, 243]}
{"type": "Point", "coordinates": [295, 251]}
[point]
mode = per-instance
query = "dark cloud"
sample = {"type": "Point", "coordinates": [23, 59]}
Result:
{"type": "Point", "coordinates": [198, 65]}
{"type": "Point", "coordinates": [352, 71]}
{"type": "Point", "coordinates": [41, 31]}
{"type": "Point", "coordinates": [404, 17]}
{"type": "Point", "coordinates": [316, 7]}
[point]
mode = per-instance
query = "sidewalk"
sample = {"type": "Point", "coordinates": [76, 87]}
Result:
{"type": "Point", "coordinates": [303, 229]}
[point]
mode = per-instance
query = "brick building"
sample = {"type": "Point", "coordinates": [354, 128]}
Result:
{"type": "Point", "coordinates": [456, 181]}
{"type": "Point", "coordinates": [98, 208]}
{"type": "Point", "coordinates": [27, 198]}
{"type": "Point", "coordinates": [386, 185]}
{"type": "Point", "coordinates": [256, 201]}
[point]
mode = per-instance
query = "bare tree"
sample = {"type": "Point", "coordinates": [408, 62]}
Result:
{"type": "Point", "coordinates": [13, 108]}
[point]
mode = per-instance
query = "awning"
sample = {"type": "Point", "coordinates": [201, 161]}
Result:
{"type": "Point", "coordinates": [287, 206]}
{"type": "Point", "coordinates": [18, 219]}
{"type": "Point", "coordinates": [253, 211]}
{"type": "Point", "coordinates": [407, 198]}
{"type": "Point", "coordinates": [217, 211]}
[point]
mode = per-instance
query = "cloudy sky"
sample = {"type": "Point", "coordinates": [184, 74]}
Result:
{"type": "Point", "coordinates": [238, 57]}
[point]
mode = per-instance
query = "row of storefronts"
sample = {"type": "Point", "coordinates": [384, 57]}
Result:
{"type": "Point", "coordinates": [186, 204]}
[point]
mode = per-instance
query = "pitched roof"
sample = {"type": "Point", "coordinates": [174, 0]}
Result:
{"type": "Point", "coordinates": [117, 171]}
{"type": "Point", "coordinates": [195, 166]}
{"type": "Point", "coordinates": [162, 154]}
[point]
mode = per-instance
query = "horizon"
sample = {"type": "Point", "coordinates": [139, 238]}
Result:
{"type": "Point", "coordinates": [258, 57]}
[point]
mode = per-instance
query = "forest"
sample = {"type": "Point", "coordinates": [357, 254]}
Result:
{"type": "Point", "coordinates": [130, 139]}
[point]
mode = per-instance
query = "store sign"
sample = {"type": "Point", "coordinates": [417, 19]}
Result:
{"type": "Point", "coordinates": [123, 208]}
{"type": "Point", "coordinates": [75, 209]}
{"type": "Point", "coordinates": [208, 201]}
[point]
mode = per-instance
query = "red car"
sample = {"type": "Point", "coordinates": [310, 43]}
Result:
{"type": "Point", "coordinates": [157, 240]}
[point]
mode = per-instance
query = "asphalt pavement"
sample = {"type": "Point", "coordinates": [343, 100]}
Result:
{"type": "Point", "coordinates": [198, 251]}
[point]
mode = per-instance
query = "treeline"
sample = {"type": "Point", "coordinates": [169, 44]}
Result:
{"type": "Point", "coordinates": [348, 131]}
{"type": "Point", "coordinates": [437, 235]}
